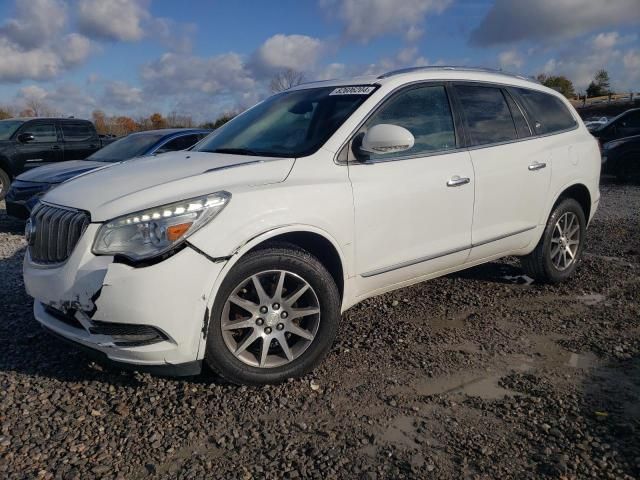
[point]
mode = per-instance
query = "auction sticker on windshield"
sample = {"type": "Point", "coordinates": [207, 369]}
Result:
{"type": "Point", "coordinates": [353, 90]}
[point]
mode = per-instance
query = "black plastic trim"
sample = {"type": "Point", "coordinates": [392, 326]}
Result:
{"type": "Point", "coordinates": [149, 261]}
{"type": "Point", "coordinates": [188, 369]}
{"type": "Point", "coordinates": [207, 256]}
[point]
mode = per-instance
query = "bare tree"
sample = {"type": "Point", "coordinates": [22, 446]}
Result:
{"type": "Point", "coordinates": [36, 106]}
{"type": "Point", "coordinates": [286, 79]}
{"type": "Point", "coordinates": [174, 120]}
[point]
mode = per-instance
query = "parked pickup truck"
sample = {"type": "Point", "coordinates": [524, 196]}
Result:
{"type": "Point", "coordinates": [27, 143]}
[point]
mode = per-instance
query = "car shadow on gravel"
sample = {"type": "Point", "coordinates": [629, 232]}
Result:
{"type": "Point", "coordinates": [495, 272]}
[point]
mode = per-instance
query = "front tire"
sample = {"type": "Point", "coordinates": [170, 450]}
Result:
{"type": "Point", "coordinates": [275, 316]}
{"type": "Point", "coordinates": [559, 251]}
{"type": "Point", "coordinates": [5, 183]}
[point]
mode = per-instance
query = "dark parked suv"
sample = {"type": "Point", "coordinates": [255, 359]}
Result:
{"type": "Point", "coordinates": [32, 142]}
{"type": "Point", "coordinates": [28, 187]}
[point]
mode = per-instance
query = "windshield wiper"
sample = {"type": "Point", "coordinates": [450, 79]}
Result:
{"type": "Point", "coordinates": [240, 151]}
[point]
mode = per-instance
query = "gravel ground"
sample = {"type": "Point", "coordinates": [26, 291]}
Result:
{"type": "Point", "coordinates": [481, 374]}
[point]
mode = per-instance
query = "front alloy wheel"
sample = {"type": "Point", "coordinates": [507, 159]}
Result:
{"type": "Point", "coordinates": [270, 318]}
{"type": "Point", "coordinates": [275, 316]}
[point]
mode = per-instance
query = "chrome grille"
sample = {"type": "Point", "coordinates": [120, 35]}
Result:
{"type": "Point", "coordinates": [55, 231]}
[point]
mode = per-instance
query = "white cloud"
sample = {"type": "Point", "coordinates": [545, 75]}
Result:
{"type": "Point", "coordinates": [544, 20]}
{"type": "Point", "coordinates": [64, 99]}
{"type": "Point", "coordinates": [122, 96]}
{"type": "Point", "coordinates": [631, 60]}
{"type": "Point", "coordinates": [581, 64]}
{"type": "Point", "coordinates": [367, 19]}
{"type": "Point", "coordinates": [33, 44]}
{"type": "Point", "coordinates": [173, 35]}
{"type": "Point", "coordinates": [604, 41]}
{"type": "Point", "coordinates": [297, 52]}
{"type": "Point", "coordinates": [413, 34]}
{"type": "Point", "coordinates": [74, 49]}
{"type": "Point", "coordinates": [116, 20]}
{"type": "Point", "coordinates": [16, 64]}
{"type": "Point", "coordinates": [37, 23]}
{"type": "Point", "coordinates": [510, 59]}
{"type": "Point", "coordinates": [631, 72]}
{"type": "Point", "coordinates": [174, 73]}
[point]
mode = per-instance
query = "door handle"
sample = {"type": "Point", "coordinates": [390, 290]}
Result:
{"type": "Point", "coordinates": [537, 166]}
{"type": "Point", "coordinates": [55, 147]}
{"type": "Point", "coordinates": [457, 181]}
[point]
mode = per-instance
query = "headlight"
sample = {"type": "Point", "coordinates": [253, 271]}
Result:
{"type": "Point", "coordinates": [152, 232]}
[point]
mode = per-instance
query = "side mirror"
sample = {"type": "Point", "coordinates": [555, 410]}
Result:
{"type": "Point", "coordinates": [26, 137]}
{"type": "Point", "coordinates": [387, 138]}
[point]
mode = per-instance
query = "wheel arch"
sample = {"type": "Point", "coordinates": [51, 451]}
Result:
{"type": "Point", "coordinates": [312, 239]}
{"type": "Point", "coordinates": [5, 165]}
{"type": "Point", "coordinates": [316, 244]}
{"type": "Point", "coordinates": [580, 193]}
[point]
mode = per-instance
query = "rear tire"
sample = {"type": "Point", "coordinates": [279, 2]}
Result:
{"type": "Point", "coordinates": [247, 325]}
{"type": "Point", "coordinates": [5, 183]}
{"type": "Point", "coordinates": [559, 251]}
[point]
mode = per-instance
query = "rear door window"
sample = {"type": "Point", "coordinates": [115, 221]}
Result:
{"type": "Point", "coordinates": [487, 115]}
{"type": "Point", "coordinates": [76, 132]}
{"type": "Point", "coordinates": [548, 113]}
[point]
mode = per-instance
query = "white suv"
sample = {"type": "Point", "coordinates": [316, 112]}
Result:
{"type": "Point", "coordinates": [243, 251]}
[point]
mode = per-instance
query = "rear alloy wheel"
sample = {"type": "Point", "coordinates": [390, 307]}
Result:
{"type": "Point", "coordinates": [275, 316]}
{"type": "Point", "coordinates": [565, 241]}
{"type": "Point", "coordinates": [556, 256]}
{"type": "Point", "coordinates": [5, 183]}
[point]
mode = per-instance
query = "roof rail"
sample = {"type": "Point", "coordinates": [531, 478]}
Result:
{"type": "Point", "coordinates": [455, 68]}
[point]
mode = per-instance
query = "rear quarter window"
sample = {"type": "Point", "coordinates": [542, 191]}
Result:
{"type": "Point", "coordinates": [488, 118]}
{"type": "Point", "coordinates": [548, 113]}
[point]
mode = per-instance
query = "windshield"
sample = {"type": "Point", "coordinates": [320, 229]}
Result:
{"type": "Point", "coordinates": [130, 146]}
{"type": "Point", "coordinates": [289, 124]}
{"type": "Point", "coordinates": [8, 127]}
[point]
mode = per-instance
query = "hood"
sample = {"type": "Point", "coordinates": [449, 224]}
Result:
{"type": "Point", "coordinates": [59, 172]}
{"type": "Point", "coordinates": [147, 182]}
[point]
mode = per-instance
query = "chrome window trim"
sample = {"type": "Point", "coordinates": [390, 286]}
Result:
{"type": "Point", "coordinates": [533, 136]}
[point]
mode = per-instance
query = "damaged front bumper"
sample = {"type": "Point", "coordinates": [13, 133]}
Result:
{"type": "Point", "coordinates": [153, 316]}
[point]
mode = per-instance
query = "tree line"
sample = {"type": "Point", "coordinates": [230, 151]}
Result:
{"type": "Point", "coordinates": [118, 125]}
{"type": "Point", "coordinates": [600, 86]}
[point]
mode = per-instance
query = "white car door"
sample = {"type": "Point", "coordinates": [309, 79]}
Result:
{"type": "Point", "coordinates": [413, 210]}
{"type": "Point", "coordinates": [512, 175]}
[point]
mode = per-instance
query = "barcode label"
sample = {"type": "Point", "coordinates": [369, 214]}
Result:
{"type": "Point", "coordinates": [353, 90]}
